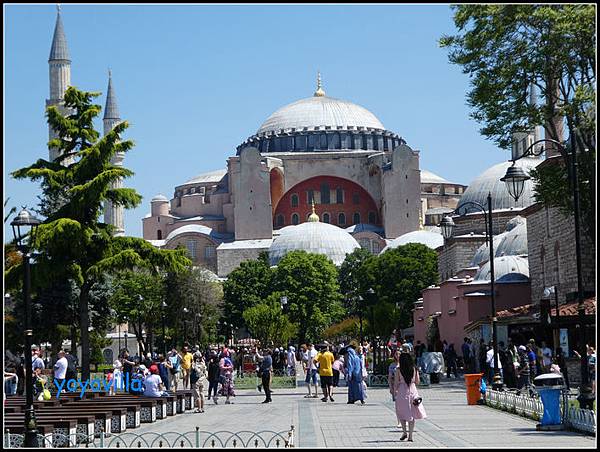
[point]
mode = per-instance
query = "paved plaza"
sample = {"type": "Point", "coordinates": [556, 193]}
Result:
{"type": "Point", "coordinates": [450, 423]}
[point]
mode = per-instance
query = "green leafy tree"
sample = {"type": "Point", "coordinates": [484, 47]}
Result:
{"type": "Point", "coordinates": [507, 48]}
{"type": "Point", "coordinates": [72, 242]}
{"type": "Point", "coordinates": [310, 283]}
{"type": "Point", "coordinates": [245, 287]}
{"type": "Point", "coordinates": [397, 277]}
{"type": "Point", "coordinates": [267, 322]}
{"type": "Point", "coordinates": [350, 279]}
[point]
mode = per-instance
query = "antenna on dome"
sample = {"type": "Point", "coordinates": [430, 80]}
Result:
{"type": "Point", "coordinates": [319, 92]}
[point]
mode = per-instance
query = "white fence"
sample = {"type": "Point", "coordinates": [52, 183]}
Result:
{"type": "Point", "coordinates": [524, 405]}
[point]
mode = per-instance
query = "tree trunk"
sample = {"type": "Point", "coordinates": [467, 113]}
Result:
{"type": "Point", "coordinates": [84, 321]}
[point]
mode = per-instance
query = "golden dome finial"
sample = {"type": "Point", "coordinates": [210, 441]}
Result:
{"type": "Point", "coordinates": [313, 216]}
{"type": "Point", "coordinates": [319, 92]}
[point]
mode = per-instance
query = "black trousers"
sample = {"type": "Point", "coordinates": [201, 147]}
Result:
{"type": "Point", "coordinates": [213, 385]}
{"type": "Point", "coordinates": [336, 378]}
{"type": "Point", "coordinates": [266, 383]}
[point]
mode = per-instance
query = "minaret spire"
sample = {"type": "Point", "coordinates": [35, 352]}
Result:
{"type": "Point", "coordinates": [113, 214]}
{"type": "Point", "coordinates": [59, 65]}
{"type": "Point", "coordinates": [319, 92]}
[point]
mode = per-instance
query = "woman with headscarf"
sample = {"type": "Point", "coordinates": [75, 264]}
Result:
{"type": "Point", "coordinates": [354, 368]}
{"type": "Point", "coordinates": [226, 377]}
{"type": "Point", "coordinates": [409, 405]}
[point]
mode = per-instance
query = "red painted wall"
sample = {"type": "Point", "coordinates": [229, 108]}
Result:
{"type": "Point", "coordinates": [366, 203]}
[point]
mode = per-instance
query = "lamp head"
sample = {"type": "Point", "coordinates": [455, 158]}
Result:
{"type": "Point", "coordinates": [515, 181]}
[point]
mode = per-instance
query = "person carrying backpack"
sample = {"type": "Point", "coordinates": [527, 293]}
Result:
{"type": "Point", "coordinates": [176, 360]}
{"type": "Point", "coordinates": [198, 379]}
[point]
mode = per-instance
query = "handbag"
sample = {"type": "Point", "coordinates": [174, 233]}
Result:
{"type": "Point", "coordinates": [417, 401]}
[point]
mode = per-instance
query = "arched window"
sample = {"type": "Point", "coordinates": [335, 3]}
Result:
{"type": "Point", "coordinates": [339, 196]}
{"type": "Point", "coordinates": [355, 198]}
{"type": "Point", "coordinates": [295, 218]}
{"type": "Point", "coordinates": [310, 197]}
{"type": "Point", "coordinates": [326, 218]}
{"type": "Point", "coordinates": [279, 220]}
{"type": "Point", "coordinates": [191, 247]}
{"type": "Point", "coordinates": [356, 218]}
{"type": "Point", "coordinates": [325, 193]}
{"type": "Point", "coordinates": [341, 219]}
{"type": "Point", "coordinates": [294, 200]}
{"type": "Point", "coordinates": [372, 218]}
{"type": "Point", "coordinates": [159, 235]}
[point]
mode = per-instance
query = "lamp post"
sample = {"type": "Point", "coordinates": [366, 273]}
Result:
{"type": "Point", "coordinates": [197, 326]}
{"type": "Point", "coordinates": [283, 301]}
{"type": "Point", "coordinates": [515, 183]}
{"type": "Point", "coordinates": [185, 311]}
{"type": "Point", "coordinates": [371, 301]}
{"type": "Point", "coordinates": [447, 226]}
{"type": "Point", "coordinates": [164, 337]}
{"type": "Point", "coordinates": [25, 225]}
{"type": "Point", "coordinates": [360, 318]}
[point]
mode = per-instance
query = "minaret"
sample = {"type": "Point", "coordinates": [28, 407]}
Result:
{"type": "Point", "coordinates": [113, 214]}
{"type": "Point", "coordinates": [60, 76]}
{"type": "Point", "coordinates": [522, 140]}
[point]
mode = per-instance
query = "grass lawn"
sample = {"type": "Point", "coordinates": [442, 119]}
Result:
{"type": "Point", "coordinates": [278, 382]}
{"type": "Point", "coordinates": [575, 403]}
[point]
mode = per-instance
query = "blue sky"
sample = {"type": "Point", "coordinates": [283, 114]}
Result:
{"type": "Point", "coordinates": [195, 81]}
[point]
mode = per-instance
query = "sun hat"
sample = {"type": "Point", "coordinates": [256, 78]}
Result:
{"type": "Point", "coordinates": [522, 348]}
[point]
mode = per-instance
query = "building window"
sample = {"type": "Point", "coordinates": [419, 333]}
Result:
{"type": "Point", "coordinates": [372, 218]}
{"type": "Point", "coordinates": [191, 247]}
{"type": "Point", "coordinates": [376, 248]}
{"type": "Point", "coordinates": [355, 198]}
{"type": "Point", "coordinates": [310, 196]}
{"type": "Point", "coordinates": [326, 218]}
{"type": "Point", "coordinates": [325, 193]}
{"type": "Point", "coordinates": [279, 220]}
{"type": "Point", "coordinates": [159, 235]}
{"type": "Point", "coordinates": [339, 196]}
{"type": "Point", "coordinates": [295, 218]}
{"type": "Point", "coordinates": [356, 218]}
{"type": "Point", "coordinates": [323, 141]}
{"type": "Point", "coordinates": [341, 219]}
{"type": "Point", "coordinates": [294, 200]}
{"type": "Point", "coordinates": [209, 252]}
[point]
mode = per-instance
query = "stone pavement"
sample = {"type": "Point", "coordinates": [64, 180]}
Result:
{"type": "Point", "coordinates": [450, 423]}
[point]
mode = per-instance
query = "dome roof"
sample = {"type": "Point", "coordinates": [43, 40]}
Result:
{"type": "Point", "coordinates": [320, 111]}
{"type": "Point", "coordinates": [313, 237]}
{"type": "Point", "coordinates": [489, 181]}
{"type": "Point", "coordinates": [506, 269]}
{"type": "Point", "coordinates": [427, 177]}
{"type": "Point", "coordinates": [212, 176]}
{"type": "Point", "coordinates": [160, 198]}
{"type": "Point", "coordinates": [196, 229]}
{"type": "Point", "coordinates": [512, 242]}
{"type": "Point", "coordinates": [432, 239]}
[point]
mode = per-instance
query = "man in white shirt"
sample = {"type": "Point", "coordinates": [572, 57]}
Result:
{"type": "Point", "coordinates": [60, 368]}
{"type": "Point", "coordinates": [490, 362]}
{"type": "Point", "coordinates": [291, 361]}
{"type": "Point", "coordinates": [546, 357]}
{"type": "Point", "coordinates": [311, 370]}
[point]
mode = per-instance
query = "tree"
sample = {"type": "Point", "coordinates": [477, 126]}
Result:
{"type": "Point", "coordinates": [398, 276]}
{"type": "Point", "coordinates": [267, 322]}
{"type": "Point", "coordinates": [310, 283]}
{"type": "Point", "coordinates": [245, 287]}
{"type": "Point", "coordinates": [350, 277]}
{"type": "Point", "coordinates": [71, 241]}
{"type": "Point", "coordinates": [507, 48]}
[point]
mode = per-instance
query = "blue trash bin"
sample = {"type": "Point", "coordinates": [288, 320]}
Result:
{"type": "Point", "coordinates": [550, 387]}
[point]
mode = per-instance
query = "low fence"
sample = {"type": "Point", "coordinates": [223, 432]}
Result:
{"type": "Point", "coordinates": [532, 407]}
{"type": "Point", "coordinates": [195, 439]}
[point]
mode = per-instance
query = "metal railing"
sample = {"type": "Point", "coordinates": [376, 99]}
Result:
{"type": "Point", "coordinates": [575, 418]}
{"type": "Point", "coordinates": [197, 439]}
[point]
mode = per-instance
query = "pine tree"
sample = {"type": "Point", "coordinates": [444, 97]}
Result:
{"type": "Point", "coordinates": [72, 243]}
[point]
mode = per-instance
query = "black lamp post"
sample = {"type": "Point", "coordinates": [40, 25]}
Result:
{"type": "Point", "coordinates": [447, 226]}
{"type": "Point", "coordinates": [185, 311]}
{"type": "Point", "coordinates": [515, 182]}
{"type": "Point", "coordinates": [371, 300]}
{"type": "Point", "coordinates": [164, 337]}
{"type": "Point", "coordinates": [360, 317]}
{"type": "Point", "coordinates": [24, 228]}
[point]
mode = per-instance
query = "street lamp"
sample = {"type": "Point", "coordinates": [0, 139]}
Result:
{"type": "Point", "coordinates": [197, 326]}
{"type": "Point", "coordinates": [360, 302]}
{"type": "Point", "coordinates": [185, 311]}
{"type": "Point", "coordinates": [283, 301]}
{"type": "Point", "coordinates": [25, 225]}
{"type": "Point", "coordinates": [164, 337]}
{"type": "Point", "coordinates": [370, 299]}
{"type": "Point", "coordinates": [447, 225]}
{"type": "Point", "coordinates": [515, 181]}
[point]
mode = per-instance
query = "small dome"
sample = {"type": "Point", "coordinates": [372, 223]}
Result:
{"type": "Point", "coordinates": [432, 239]}
{"type": "Point", "coordinates": [506, 269]}
{"type": "Point", "coordinates": [320, 111]}
{"type": "Point", "coordinates": [196, 229]}
{"type": "Point", "coordinates": [160, 198]}
{"type": "Point", "coordinates": [313, 237]}
{"type": "Point", "coordinates": [512, 242]}
{"type": "Point", "coordinates": [482, 255]}
{"type": "Point", "coordinates": [489, 181]}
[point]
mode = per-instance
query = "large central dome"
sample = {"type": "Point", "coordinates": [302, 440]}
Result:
{"type": "Point", "coordinates": [321, 112]}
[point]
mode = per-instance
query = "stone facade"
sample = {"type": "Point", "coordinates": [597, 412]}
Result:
{"type": "Point", "coordinates": [552, 260]}
{"type": "Point", "coordinates": [231, 255]}
{"type": "Point", "coordinates": [456, 254]}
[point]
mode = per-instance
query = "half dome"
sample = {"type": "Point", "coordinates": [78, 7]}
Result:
{"type": "Point", "coordinates": [321, 112]}
{"type": "Point", "coordinates": [506, 269]}
{"type": "Point", "coordinates": [431, 239]}
{"type": "Point", "coordinates": [489, 182]}
{"type": "Point", "coordinates": [313, 237]}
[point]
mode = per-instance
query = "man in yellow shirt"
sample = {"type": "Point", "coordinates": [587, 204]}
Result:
{"type": "Point", "coordinates": [325, 361]}
{"type": "Point", "coordinates": [186, 366]}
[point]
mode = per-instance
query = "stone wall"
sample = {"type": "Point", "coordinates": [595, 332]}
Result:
{"type": "Point", "coordinates": [457, 254]}
{"type": "Point", "coordinates": [230, 259]}
{"type": "Point", "coordinates": [552, 259]}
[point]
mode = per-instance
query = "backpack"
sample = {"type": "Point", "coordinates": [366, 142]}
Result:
{"type": "Point", "coordinates": [194, 376]}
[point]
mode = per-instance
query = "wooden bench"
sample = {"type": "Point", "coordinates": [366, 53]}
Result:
{"type": "Point", "coordinates": [67, 429]}
{"type": "Point", "coordinates": [188, 395]}
{"type": "Point", "coordinates": [124, 415]}
{"type": "Point", "coordinates": [164, 406]}
{"type": "Point", "coordinates": [85, 421]}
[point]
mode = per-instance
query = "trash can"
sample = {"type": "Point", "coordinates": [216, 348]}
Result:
{"type": "Point", "coordinates": [550, 387]}
{"type": "Point", "coordinates": [472, 382]}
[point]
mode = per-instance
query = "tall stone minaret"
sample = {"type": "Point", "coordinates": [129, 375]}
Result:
{"type": "Point", "coordinates": [60, 77]}
{"type": "Point", "coordinates": [113, 214]}
{"type": "Point", "coordinates": [522, 140]}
